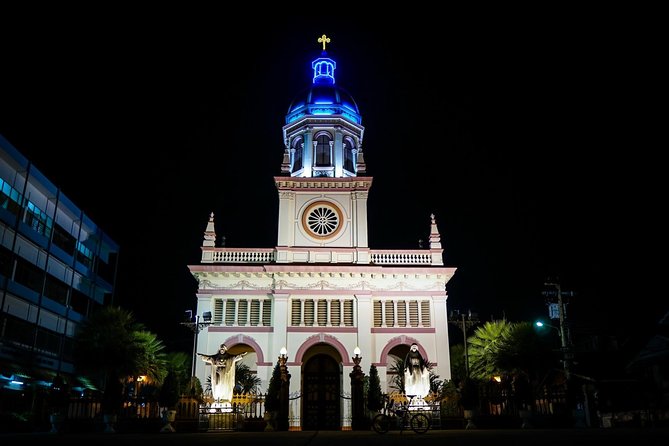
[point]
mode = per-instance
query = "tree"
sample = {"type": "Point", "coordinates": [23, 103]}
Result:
{"type": "Point", "coordinates": [273, 390]}
{"type": "Point", "coordinates": [111, 346]}
{"type": "Point", "coordinates": [374, 394]}
{"type": "Point", "coordinates": [245, 380]}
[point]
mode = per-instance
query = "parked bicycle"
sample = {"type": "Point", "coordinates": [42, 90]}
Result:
{"type": "Point", "coordinates": [400, 413]}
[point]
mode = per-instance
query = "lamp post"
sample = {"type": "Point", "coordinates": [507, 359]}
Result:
{"type": "Point", "coordinates": [357, 392]}
{"type": "Point", "coordinates": [564, 347]}
{"type": "Point", "coordinates": [282, 422]}
{"type": "Point", "coordinates": [196, 326]}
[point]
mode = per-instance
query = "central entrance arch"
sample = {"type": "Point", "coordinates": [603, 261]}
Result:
{"type": "Point", "coordinates": [321, 390]}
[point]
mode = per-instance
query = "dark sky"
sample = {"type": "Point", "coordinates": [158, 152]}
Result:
{"type": "Point", "coordinates": [528, 139]}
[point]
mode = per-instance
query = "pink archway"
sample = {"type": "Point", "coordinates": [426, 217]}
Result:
{"type": "Point", "coordinates": [394, 342]}
{"type": "Point", "coordinates": [243, 339]}
{"type": "Point", "coordinates": [326, 339]}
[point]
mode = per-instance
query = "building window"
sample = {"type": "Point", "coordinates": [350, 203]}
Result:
{"type": "Point", "coordinates": [296, 312]}
{"type": "Point", "coordinates": [5, 262]}
{"type": "Point", "coordinates": [56, 290]}
{"type": "Point", "coordinates": [349, 146]}
{"type": "Point", "coordinates": [348, 313]}
{"type": "Point", "coordinates": [309, 312]}
{"type": "Point", "coordinates": [29, 275]}
{"type": "Point", "coordinates": [64, 240]}
{"type": "Point", "coordinates": [38, 220]}
{"type": "Point", "coordinates": [323, 150]}
{"type": "Point", "coordinates": [402, 313]}
{"type": "Point", "coordinates": [243, 312]}
{"type": "Point", "coordinates": [298, 148]}
{"type": "Point", "coordinates": [218, 312]}
{"type": "Point", "coordinates": [378, 314]}
{"type": "Point", "coordinates": [230, 312]}
{"type": "Point", "coordinates": [19, 332]}
{"type": "Point", "coordinates": [425, 313]}
{"type": "Point", "coordinates": [79, 302]}
{"type": "Point", "coordinates": [267, 313]}
{"type": "Point", "coordinates": [413, 313]}
{"type": "Point", "coordinates": [255, 312]}
{"type": "Point", "coordinates": [10, 198]}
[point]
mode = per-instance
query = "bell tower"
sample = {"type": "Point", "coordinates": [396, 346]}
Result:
{"type": "Point", "coordinates": [322, 189]}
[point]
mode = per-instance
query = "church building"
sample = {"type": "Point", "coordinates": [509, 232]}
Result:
{"type": "Point", "coordinates": [321, 296]}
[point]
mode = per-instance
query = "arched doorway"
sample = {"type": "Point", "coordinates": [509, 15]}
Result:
{"type": "Point", "coordinates": [320, 395]}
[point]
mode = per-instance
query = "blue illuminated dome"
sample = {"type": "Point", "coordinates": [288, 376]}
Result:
{"type": "Point", "coordinates": [324, 97]}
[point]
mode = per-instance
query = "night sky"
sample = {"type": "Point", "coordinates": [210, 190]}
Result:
{"type": "Point", "coordinates": [529, 141]}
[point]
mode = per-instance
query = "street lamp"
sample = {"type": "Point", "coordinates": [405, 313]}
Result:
{"type": "Point", "coordinates": [196, 326]}
{"type": "Point", "coordinates": [282, 423]}
{"type": "Point", "coordinates": [357, 392]}
{"type": "Point", "coordinates": [564, 346]}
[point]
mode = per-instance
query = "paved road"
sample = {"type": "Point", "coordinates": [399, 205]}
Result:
{"type": "Point", "coordinates": [454, 437]}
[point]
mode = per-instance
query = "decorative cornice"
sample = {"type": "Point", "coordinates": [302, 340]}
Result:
{"type": "Point", "coordinates": [361, 285]}
{"type": "Point", "coordinates": [347, 183]}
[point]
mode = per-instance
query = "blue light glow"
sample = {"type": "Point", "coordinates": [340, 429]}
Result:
{"type": "Point", "coordinates": [324, 69]}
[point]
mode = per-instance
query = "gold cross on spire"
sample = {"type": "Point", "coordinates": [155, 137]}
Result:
{"type": "Point", "coordinates": [324, 39]}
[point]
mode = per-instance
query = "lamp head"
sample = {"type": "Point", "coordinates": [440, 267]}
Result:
{"type": "Point", "coordinates": [283, 352]}
{"type": "Point", "coordinates": [356, 351]}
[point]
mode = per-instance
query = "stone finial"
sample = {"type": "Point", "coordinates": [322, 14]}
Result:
{"type": "Point", "coordinates": [210, 232]}
{"type": "Point", "coordinates": [435, 237]}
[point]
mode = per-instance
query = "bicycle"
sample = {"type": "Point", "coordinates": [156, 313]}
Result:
{"type": "Point", "coordinates": [417, 421]}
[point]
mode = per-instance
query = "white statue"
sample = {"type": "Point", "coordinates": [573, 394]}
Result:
{"type": "Point", "coordinates": [222, 373]}
{"type": "Point", "coordinates": [416, 374]}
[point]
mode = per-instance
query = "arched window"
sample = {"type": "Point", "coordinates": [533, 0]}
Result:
{"type": "Point", "coordinates": [323, 150]}
{"type": "Point", "coordinates": [349, 161]}
{"type": "Point", "coordinates": [298, 148]}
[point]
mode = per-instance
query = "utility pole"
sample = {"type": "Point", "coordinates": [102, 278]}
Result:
{"type": "Point", "coordinates": [565, 341]}
{"type": "Point", "coordinates": [465, 322]}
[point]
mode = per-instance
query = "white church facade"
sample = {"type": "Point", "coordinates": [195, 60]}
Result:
{"type": "Point", "coordinates": [322, 292]}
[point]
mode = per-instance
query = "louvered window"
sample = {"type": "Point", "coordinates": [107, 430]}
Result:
{"type": "Point", "coordinates": [402, 313]}
{"type": "Point", "coordinates": [229, 312]}
{"type": "Point", "coordinates": [322, 313]}
{"type": "Point", "coordinates": [255, 312]}
{"type": "Point", "coordinates": [335, 313]}
{"type": "Point", "coordinates": [377, 313]}
{"type": "Point", "coordinates": [218, 311]}
{"type": "Point", "coordinates": [348, 313]}
{"type": "Point", "coordinates": [267, 312]}
{"type": "Point", "coordinates": [425, 313]}
{"type": "Point", "coordinates": [309, 312]}
{"type": "Point", "coordinates": [243, 312]}
{"type": "Point", "coordinates": [390, 314]}
{"type": "Point", "coordinates": [413, 313]}
{"type": "Point", "coordinates": [296, 316]}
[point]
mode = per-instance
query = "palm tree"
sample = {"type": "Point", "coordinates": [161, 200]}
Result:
{"type": "Point", "coordinates": [111, 346]}
{"type": "Point", "coordinates": [512, 351]}
{"type": "Point", "coordinates": [507, 349]}
{"type": "Point", "coordinates": [245, 379]}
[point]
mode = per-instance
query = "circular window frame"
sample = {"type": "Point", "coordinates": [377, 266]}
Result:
{"type": "Point", "coordinates": [327, 205]}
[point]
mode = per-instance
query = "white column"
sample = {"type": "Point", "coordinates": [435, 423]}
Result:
{"type": "Point", "coordinates": [365, 316]}
{"type": "Point", "coordinates": [280, 318]}
{"type": "Point", "coordinates": [441, 336]}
